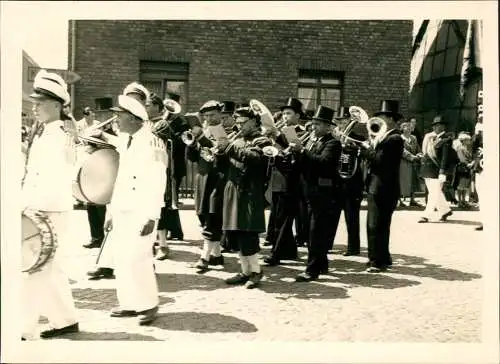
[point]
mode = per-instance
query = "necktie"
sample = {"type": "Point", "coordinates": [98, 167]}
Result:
{"type": "Point", "coordinates": [129, 141]}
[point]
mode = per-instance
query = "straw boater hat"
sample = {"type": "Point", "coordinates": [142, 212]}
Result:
{"type": "Point", "coordinates": [135, 89]}
{"type": "Point", "coordinates": [211, 105]}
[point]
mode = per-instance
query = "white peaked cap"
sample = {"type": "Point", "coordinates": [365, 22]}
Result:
{"type": "Point", "coordinates": [127, 103]}
{"type": "Point", "coordinates": [137, 88]}
{"type": "Point", "coordinates": [47, 84]}
{"type": "Point", "coordinates": [211, 105]}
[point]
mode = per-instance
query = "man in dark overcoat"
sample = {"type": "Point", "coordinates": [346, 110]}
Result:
{"type": "Point", "coordinates": [318, 161]}
{"type": "Point", "coordinates": [384, 157]}
{"type": "Point", "coordinates": [209, 185]}
{"type": "Point", "coordinates": [243, 215]}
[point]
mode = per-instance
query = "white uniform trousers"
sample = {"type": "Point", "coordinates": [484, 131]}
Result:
{"type": "Point", "coordinates": [136, 286]}
{"type": "Point", "coordinates": [48, 292]}
{"type": "Point", "coordinates": [435, 200]}
{"type": "Point", "coordinates": [105, 259]}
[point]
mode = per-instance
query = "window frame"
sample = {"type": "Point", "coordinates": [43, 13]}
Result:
{"type": "Point", "coordinates": [318, 85]}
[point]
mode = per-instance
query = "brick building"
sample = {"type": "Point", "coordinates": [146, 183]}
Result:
{"type": "Point", "coordinates": [327, 62]}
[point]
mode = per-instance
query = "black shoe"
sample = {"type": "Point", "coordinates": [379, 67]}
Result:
{"type": "Point", "coordinates": [147, 316]}
{"type": "Point", "coordinates": [479, 228]}
{"type": "Point", "coordinates": [216, 260]}
{"type": "Point", "coordinates": [101, 273]}
{"type": "Point", "coordinates": [117, 312]}
{"type": "Point", "coordinates": [445, 216]}
{"type": "Point", "coordinates": [305, 277]}
{"type": "Point", "coordinates": [58, 332]}
{"type": "Point", "coordinates": [239, 278]}
{"type": "Point", "coordinates": [93, 244]}
{"type": "Point", "coordinates": [23, 339]}
{"type": "Point", "coordinates": [271, 261]}
{"type": "Point", "coordinates": [267, 243]}
{"type": "Point", "coordinates": [254, 280]}
{"type": "Point", "coordinates": [423, 220]}
{"type": "Point", "coordinates": [201, 265]}
{"type": "Point", "coordinates": [349, 253]}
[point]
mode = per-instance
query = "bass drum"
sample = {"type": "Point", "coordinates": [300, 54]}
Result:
{"type": "Point", "coordinates": [39, 242]}
{"type": "Point", "coordinates": [96, 176]}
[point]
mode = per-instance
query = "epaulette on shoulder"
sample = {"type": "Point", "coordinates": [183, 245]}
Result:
{"type": "Point", "coordinates": [159, 149]}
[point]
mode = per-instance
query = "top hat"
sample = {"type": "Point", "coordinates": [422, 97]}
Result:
{"type": "Point", "coordinates": [173, 96]}
{"type": "Point", "coordinates": [343, 113]}
{"type": "Point", "coordinates": [389, 108]}
{"type": "Point", "coordinates": [324, 114]}
{"type": "Point", "coordinates": [294, 104]}
{"type": "Point", "coordinates": [438, 120]}
{"type": "Point", "coordinates": [228, 107]}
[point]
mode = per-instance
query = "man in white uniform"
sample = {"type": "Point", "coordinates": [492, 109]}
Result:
{"type": "Point", "coordinates": [47, 190]}
{"type": "Point", "coordinates": [133, 211]}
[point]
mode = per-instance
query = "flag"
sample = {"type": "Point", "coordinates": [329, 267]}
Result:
{"type": "Point", "coordinates": [471, 64]}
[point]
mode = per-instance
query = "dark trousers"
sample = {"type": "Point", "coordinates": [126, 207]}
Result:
{"type": "Point", "coordinates": [302, 220]}
{"type": "Point", "coordinates": [378, 227]}
{"type": "Point", "coordinates": [351, 206]}
{"type": "Point", "coordinates": [171, 222]}
{"type": "Point", "coordinates": [321, 234]}
{"type": "Point", "coordinates": [96, 215]}
{"type": "Point", "coordinates": [283, 210]}
{"type": "Point", "coordinates": [212, 226]}
{"type": "Point", "coordinates": [246, 242]}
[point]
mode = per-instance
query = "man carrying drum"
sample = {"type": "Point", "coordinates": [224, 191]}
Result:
{"type": "Point", "coordinates": [47, 292]}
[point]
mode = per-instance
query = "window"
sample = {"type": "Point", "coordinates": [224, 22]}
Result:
{"type": "Point", "coordinates": [162, 77]}
{"type": "Point", "coordinates": [103, 103]}
{"type": "Point", "coordinates": [320, 88]}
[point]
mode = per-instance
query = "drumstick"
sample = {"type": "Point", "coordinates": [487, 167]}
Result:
{"type": "Point", "coordinates": [102, 246]}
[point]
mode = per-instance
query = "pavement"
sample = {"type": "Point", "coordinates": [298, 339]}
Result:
{"type": "Point", "coordinates": [432, 294]}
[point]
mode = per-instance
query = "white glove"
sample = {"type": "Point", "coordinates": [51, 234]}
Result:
{"type": "Point", "coordinates": [442, 178]}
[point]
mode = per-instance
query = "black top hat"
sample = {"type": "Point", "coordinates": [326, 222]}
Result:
{"type": "Point", "coordinates": [389, 108]}
{"type": "Point", "coordinates": [173, 96]}
{"type": "Point", "coordinates": [438, 120]}
{"type": "Point", "coordinates": [343, 113]}
{"type": "Point", "coordinates": [294, 104]}
{"type": "Point", "coordinates": [323, 113]}
{"type": "Point", "coordinates": [228, 107]}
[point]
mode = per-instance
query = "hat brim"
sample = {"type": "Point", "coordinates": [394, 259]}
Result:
{"type": "Point", "coordinates": [45, 95]}
{"type": "Point", "coordinates": [324, 120]}
{"type": "Point", "coordinates": [118, 109]}
{"type": "Point", "coordinates": [292, 108]}
{"type": "Point", "coordinates": [439, 123]}
{"type": "Point", "coordinates": [210, 108]}
{"type": "Point", "coordinates": [395, 115]}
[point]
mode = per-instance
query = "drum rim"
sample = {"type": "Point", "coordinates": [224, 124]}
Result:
{"type": "Point", "coordinates": [52, 245]}
{"type": "Point", "coordinates": [78, 179]}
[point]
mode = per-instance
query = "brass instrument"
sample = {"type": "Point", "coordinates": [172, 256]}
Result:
{"type": "Point", "coordinates": [160, 128]}
{"type": "Point", "coordinates": [377, 128]}
{"type": "Point", "coordinates": [349, 155]}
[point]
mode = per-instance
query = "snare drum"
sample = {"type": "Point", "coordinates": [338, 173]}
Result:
{"type": "Point", "coordinates": [39, 242]}
{"type": "Point", "coordinates": [96, 175]}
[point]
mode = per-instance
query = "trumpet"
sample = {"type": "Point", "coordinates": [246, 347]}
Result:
{"type": "Point", "coordinates": [208, 154]}
{"type": "Point", "coordinates": [187, 137]}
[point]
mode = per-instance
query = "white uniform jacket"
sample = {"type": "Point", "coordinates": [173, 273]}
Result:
{"type": "Point", "coordinates": [141, 179]}
{"type": "Point", "coordinates": [49, 171]}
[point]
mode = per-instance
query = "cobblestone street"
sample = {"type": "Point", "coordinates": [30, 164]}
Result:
{"type": "Point", "coordinates": [432, 294]}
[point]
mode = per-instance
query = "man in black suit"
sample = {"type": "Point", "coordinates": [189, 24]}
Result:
{"type": "Point", "coordinates": [317, 162]}
{"type": "Point", "coordinates": [351, 186]}
{"type": "Point", "coordinates": [384, 155]}
{"type": "Point", "coordinates": [436, 166]}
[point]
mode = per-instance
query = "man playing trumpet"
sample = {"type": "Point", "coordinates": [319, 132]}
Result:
{"type": "Point", "coordinates": [243, 214]}
{"type": "Point", "coordinates": [317, 160]}
{"type": "Point", "coordinates": [209, 185]}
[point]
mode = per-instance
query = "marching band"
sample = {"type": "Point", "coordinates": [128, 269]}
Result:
{"type": "Point", "coordinates": [306, 171]}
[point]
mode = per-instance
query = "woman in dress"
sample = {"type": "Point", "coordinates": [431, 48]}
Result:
{"type": "Point", "coordinates": [407, 175]}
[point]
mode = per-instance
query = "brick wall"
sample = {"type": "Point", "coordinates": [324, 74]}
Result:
{"type": "Point", "coordinates": [240, 60]}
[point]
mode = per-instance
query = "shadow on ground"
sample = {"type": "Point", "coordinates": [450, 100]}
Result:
{"type": "Point", "coordinates": [404, 264]}
{"type": "Point", "coordinates": [108, 336]}
{"type": "Point", "coordinates": [102, 299]}
{"type": "Point", "coordinates": [202, 322]}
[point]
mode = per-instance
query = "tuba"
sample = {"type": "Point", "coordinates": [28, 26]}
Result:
{"type": "Point", "coordinates": [377, 128]}
{"type": "Point", "coordinates": [349, 155]}
{"type": "Point", "coordinates": [161, 128]}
